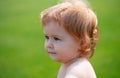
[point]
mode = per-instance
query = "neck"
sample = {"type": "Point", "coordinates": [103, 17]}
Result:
{"type": "Point", "coordinates": [71, 61]}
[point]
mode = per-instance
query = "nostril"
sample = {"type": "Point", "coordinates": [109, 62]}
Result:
{"type": "Point", "coordinates": [48, 44]}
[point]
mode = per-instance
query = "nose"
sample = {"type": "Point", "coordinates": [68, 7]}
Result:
{"type": "Point", "coordinates": [48, 44]}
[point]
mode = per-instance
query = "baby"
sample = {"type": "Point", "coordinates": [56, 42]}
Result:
{"type": "Point", "coordinates": [71, 33]}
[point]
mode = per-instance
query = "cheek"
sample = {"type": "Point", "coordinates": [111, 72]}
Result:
{"type": "Point", "coordinates": [71, 48]}
{"type": "Point", "coordinates": [66, 47]}
{"type": "Point", "coordinates": [57, 46]}
{"type": "Point", "coordinates": [61, 49]}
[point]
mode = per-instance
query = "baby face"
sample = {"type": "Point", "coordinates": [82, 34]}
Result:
{"type": "Point", "coordinates": [60, 45]}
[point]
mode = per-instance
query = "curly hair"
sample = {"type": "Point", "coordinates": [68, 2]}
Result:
{"type": "Point", "coordinates": [79, 20]}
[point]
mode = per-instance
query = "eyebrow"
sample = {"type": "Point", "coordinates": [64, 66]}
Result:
{"type": "Point", "coordinates": [54, 35]}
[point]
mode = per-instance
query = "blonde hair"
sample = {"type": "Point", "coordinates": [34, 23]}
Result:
{"type": "Point", "coordinates": [78, 20]}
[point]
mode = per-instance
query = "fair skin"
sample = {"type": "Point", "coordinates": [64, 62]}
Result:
{"type": "Point", "coordinates": [64, 48]}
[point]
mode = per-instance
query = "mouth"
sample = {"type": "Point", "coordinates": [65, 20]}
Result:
{"type": "Point", "coordinates": [51, 53]}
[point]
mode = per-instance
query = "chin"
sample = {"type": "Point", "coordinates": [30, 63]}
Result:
{"type": "Point", "coordinates": [57, 60]}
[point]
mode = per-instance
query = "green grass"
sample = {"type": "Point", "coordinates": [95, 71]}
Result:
{"type": "Point", "coordinates": [22, 53]}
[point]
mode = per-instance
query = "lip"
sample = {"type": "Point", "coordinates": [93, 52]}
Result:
{"type": "Point", "coordinates": [51, 53]}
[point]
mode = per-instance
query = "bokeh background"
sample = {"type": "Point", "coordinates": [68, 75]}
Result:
{"type": "Point", "coordinates": [22, 53]}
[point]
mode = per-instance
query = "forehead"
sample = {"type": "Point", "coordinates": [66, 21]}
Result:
{"type": "Point", "coordinates": [54, 28]}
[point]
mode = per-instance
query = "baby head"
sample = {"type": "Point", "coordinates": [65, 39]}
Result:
{"type": "Point", "coordinates": [78, 20]}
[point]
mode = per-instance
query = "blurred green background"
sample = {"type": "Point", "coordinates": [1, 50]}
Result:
{"type": "Point", "coordinates": [22, 53]}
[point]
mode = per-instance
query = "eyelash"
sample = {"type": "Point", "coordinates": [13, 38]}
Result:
{"type": "Point", "coordinates": [55, 38]}
{"type": "Point", "coordinates": [47, 37]}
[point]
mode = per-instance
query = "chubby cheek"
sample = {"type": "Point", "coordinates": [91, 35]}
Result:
{"type": "Point", "coordinates": [61, 50]}
{"type": "Point", "coordinates": [58, 48]}
{"type": "Point", "coordinates": [68, 49]}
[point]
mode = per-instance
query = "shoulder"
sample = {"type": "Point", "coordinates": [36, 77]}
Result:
{"type": "Point", "coordinates": [80, 69]}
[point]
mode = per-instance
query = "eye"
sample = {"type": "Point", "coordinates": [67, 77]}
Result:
{"type": "Point", "coordinates": [47, 37]}
{"type": "Point", "coordinates": [55, 38]}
